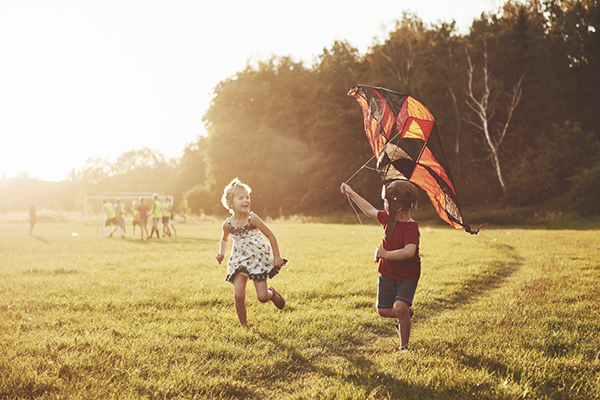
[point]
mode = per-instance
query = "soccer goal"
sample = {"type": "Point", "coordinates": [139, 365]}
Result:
{"type": "Point", "coordinates": [130, 196]}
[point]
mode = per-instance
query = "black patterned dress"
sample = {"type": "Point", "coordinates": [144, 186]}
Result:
{"type": "Point", "coordinates": [251, 254]}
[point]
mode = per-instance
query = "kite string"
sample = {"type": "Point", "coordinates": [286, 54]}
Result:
{"type": "Point", "coordinates": [360, 169]}
{"type": "Point", "coordinates": [352, 205]}
{"type": "Point", "coordinates": [359, 220]}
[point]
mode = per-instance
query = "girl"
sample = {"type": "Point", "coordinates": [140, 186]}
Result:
{"type": "Point", "coordinates": [251, 256]}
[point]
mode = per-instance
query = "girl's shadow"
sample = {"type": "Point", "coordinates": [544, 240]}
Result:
{"type": "Point", "coordinates": [41, 239]}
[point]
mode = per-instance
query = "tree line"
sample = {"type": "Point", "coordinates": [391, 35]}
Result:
{"type": "Point", "coordinates": [515, 101]}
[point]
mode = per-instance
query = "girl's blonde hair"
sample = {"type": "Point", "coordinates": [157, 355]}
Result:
{"type": "Point", "coordinates": [230, 190]}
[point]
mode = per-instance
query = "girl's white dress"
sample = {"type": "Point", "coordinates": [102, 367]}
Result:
{"type": "Point", "coordinates": [251, 254]}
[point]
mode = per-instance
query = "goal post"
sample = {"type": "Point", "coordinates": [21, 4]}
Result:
{"type": "Point", "coordinates": [123, 196]}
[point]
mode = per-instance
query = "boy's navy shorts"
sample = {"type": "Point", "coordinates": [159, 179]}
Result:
{"type": "Point", "coordinates": [390, 290]}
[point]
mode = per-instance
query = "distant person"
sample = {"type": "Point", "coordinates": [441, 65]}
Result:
{"type": "Point", "coordinates": [251, 256]}
{"type": "Point", "coordinates": [111, 218]}
{"type": "Point", "coordinates": [172, 220]}
{"type": "Point", "coordinates": [156, 214]}
{"type": "Point", "coordinates": [166, 216]}
{"type": "Point", "coordinates": [398, 256]}
{"type": "Point", "coordinates": [143, 210]}
{"type": "Point", "coordinates": [120, 211]}
{"type": "Point", "coordinates": [32, 217]}
{"type": "Point", "coordinates": [136, 217]}
{"type": "Point", "coordinates": [168, 206]}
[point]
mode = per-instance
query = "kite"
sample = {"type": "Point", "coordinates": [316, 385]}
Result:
{"type": "Point", "coordinates": [404, 138]}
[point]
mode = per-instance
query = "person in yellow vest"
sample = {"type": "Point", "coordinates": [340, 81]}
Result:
{"type": "Point", "coordinates": [136, 217]}
{"type": "Point", "coordinates": [168, 218]}
{"type": "Point", "coordinates": [156, 213]}
{"type": "Point", "coordinates": [111, 218]}
{"type": "Point", "coordinates": [120, 211]}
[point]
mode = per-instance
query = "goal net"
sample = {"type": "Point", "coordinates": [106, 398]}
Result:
{"type": "Point", "coordinates": [93, 204]}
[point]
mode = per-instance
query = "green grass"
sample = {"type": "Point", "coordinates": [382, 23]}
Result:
{"type": "Point", "coordinates": [503, 315]}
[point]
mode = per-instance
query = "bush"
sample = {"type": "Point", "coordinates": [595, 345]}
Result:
{"type": "Point", "coordinates": [199, 200]}
{"type": "Point", "coordinates": [585, 192]}
{"type": "Point", "coordinates": [549, 171]}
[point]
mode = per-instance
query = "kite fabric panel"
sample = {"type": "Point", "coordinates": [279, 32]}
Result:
{"type": "Point", "coordinates": [391, 120]}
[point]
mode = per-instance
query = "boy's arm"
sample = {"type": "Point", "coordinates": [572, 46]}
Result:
{"type": "Point", "coordinates": [363, 204]}
{"type": "Point", "coordinates": [404, 253]}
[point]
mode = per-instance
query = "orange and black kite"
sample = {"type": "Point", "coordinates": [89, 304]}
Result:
{"type": "Point", "coordinates": [404, 138]}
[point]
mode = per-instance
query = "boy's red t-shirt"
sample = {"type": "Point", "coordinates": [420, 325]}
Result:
{"type": "Point", "coordinates": [404, 233]}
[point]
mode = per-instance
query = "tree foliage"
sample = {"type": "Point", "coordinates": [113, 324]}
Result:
{"type": "Point", "coordinates": [529, 75]}
{"type": "Point", "coordinates": [289, 130]}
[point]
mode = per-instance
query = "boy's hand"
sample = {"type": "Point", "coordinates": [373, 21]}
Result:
{"type": "Point", "coordinates": [220, 257]}
{"type": "Point", "coordinates": [380, 253]}
{"type": "Point", "coordinates": [345, 189]}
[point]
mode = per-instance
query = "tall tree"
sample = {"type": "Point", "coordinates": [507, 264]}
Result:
{"type": "Point", "coordinates": [337, 143]}
{"type": "Point", "coordinates": [396, 63]}
{"type": "Point", "coordinates": [442, 89]}
{"type": "Point", "coordinates": [258, 126]}
{"type": "Point", "coordinates": [483, 107]}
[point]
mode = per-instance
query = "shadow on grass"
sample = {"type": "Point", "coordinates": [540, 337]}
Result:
{"type": "Point", "coordinates": [170, 241]}
{"type": "Point", "coordinates": [378, 384]}
{"type": "Point", "coordinates": [476, 286]}
{"type": "Point", "coordinates": [41, 239]}
{"type": "Point", "coordinates": [359, 373]}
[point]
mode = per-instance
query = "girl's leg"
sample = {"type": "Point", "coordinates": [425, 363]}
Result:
{"type": "Point", "coordinates": [262, 293]}
{"type": "Point", "coordinates": [239, 297]}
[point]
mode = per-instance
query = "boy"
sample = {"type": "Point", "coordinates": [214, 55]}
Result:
{"type": "Point", "coordinates": [399, 261]}
{"type": "Point", "coordinates": [143, 210]}
{"type": "Point", "coordinates": [111, 219]}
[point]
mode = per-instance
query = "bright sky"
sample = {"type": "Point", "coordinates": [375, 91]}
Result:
{"type": "Point", "coordinates": [83, 78]}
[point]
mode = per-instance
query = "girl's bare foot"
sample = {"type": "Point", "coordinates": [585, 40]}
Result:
{"type": "Point", "coordinates": [277, 299]}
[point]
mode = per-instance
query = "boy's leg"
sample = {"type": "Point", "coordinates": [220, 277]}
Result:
{"type": "Point", "coordinates": [394, 299]}
{"type": "Point", "coordinates": [239, 297]}
{"type": "Point", "coordinates": [386, 295]}
{"type": "Point", "coordinates": [155, 227]}
{"type": "Point", "coordinates": [402, 311]}
{"type": "Point", "coordinates": [114, 229]}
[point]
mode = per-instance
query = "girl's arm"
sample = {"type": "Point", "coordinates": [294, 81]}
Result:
{"type": "Point", "coordinates": [404, 253]}
{"type": "Point", "coordinates": [260, 225]}
{"type": "Point", "coordinates": [363, 204]}
{"type": "Point", "coordinates": [224, 243]}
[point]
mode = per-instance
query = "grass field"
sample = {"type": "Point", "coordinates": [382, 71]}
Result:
{"type": "Point", "coordinates": [506, 314]}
